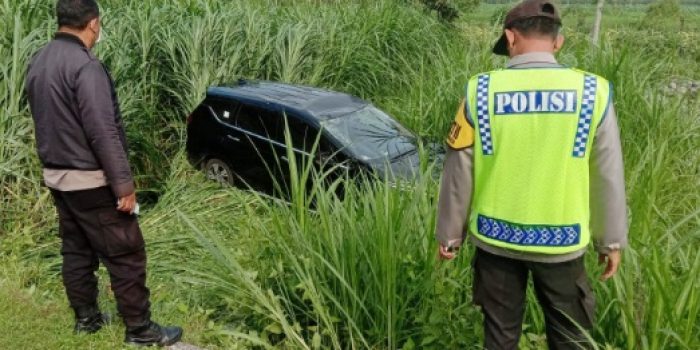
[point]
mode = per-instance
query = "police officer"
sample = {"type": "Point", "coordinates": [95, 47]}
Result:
{"type": "Point", "coordinates": [534, 168]}
{"type": "Point", "coordinates": [82, 147]}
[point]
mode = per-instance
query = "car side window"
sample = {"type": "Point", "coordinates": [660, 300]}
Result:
{"type": "Point", "coordinates": [303, 135]}
{"type": "Point", "coordinates": [259, 121]}
{"type": "Point", "coordinates": [225, 110]}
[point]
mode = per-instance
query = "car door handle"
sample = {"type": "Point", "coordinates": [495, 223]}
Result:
{"type": "Point", "coordinates": [233, 138]}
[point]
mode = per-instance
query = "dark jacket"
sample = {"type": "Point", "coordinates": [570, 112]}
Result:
{"type": "Point", "coordinates": [76, 112]}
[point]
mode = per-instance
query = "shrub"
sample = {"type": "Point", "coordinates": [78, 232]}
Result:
{"type": "Point", "coordinates": [449, 10]}
{"type": "Point", "coordinates": [663, 12]}
{"type": "Point", "coordinates": [499, 15]}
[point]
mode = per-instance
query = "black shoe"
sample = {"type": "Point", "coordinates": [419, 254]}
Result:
{"type": "Point", "coordinates": [89, 319]}
{"type": "Point", "coordinates": [153, 334]}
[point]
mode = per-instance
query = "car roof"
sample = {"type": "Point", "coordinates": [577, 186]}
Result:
{"type": "Point", "coordinates": [315, 102]}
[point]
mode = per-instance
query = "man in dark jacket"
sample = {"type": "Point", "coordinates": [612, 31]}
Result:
{"type": "Point", "coordinates": [82, 147]}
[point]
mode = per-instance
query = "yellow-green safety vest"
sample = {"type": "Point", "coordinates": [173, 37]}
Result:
{"type": "Point", "coordinates": [534, 134]}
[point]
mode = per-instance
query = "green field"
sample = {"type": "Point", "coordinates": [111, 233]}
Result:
{"type": "Point", "coordinates": [240, 271]}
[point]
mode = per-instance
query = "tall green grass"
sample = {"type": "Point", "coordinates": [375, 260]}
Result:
{"type": "Point", "coordinates": [361, 272]}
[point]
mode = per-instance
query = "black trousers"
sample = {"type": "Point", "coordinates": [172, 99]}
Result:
{"type": "Point", "coordinates": [92, 230]}
{"type": "Point", "coordinates": [562, 290]}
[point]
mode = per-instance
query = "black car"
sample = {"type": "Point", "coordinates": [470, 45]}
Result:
{"type": "Point", "coordinates": [237, 134]}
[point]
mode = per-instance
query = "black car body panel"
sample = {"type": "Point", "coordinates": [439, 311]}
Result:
{"type": "Point", "coordinates": [243, 125]}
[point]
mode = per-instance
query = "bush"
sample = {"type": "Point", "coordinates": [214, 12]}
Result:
{"type": "Point", "coordinates": [574, 18]}
{"type": "Point", "coordinates": [499, 15]}
{"type": "Point", "coordinates": [467, 5]}
{"type": "Point", "coordinates": [449, 10]}
{"type": "Point", "coordinates": [662, 13]}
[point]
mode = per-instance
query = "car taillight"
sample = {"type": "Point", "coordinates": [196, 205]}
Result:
{"type": "Point", "coordinates": [189, 118]}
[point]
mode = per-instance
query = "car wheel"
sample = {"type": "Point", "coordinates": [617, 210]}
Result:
{"type": "Point", "coordinates": [219, 171]}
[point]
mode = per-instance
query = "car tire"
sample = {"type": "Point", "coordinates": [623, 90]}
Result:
{"type": "Point", "coordinates": [219, 171]}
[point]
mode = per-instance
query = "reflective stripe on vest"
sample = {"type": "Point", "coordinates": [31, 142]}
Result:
{"type": "Point", "coordinates": [531, 174]}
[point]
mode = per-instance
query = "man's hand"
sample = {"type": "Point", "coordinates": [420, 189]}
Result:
{"type": "Point", "coordinates": [613, 262]}
{"type": "Point", "coordinates": [127, 204]}
{"type": "Point", "coordinates": [447, 253]}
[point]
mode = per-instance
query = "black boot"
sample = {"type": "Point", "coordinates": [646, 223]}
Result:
{"type": "Point", "coordinates": [152, 333]}
{"type": "Point", "coordinates": [89, 319]}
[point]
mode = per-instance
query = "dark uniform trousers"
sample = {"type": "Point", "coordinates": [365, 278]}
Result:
{"type": "Point", "coordinates": [92, 230]}
{"type": "Point", "coordinates": [562, 290]}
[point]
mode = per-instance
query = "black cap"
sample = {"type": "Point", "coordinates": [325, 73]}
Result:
{"type": "Point", "coordinates": [525, 9]}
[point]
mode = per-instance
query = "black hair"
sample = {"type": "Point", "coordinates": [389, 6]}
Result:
{"type": "Point", "coordinates": [76, 14]}
{"type": "Point", "coordinates": [537, 26]}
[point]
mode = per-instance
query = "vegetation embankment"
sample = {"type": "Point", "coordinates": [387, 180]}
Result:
{"type": "Point", "coordinates": [245, 271]}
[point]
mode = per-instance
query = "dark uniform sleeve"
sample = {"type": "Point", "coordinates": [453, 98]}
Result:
{"type": "Point", "coordinates": [97, 114]}
{"type": "Point", "coordinates": [456, 186]}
